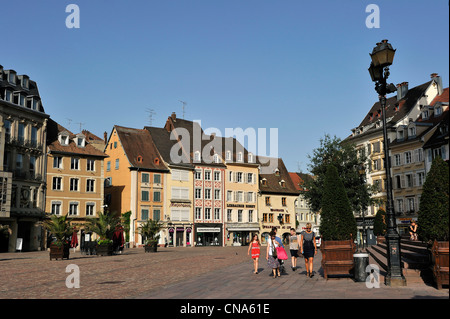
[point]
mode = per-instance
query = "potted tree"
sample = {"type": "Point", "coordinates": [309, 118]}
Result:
{"type": "Point", "coordinates": [104, 226]}
{"type": "Point", "coordinates": [379, 226]}
{"type": "Point", "coordinates": [150, 231]}
{"type": "Point", "coordinates": [59, 227]}
{"type": "Point", "coordinates": [432, 221]}
{"type": "Point", "coordinates": [337, 227]}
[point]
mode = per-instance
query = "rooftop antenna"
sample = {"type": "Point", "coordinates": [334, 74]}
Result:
{"type": "Point", "coordinates": [80, 125]}
{"type": "Point", "coordinates": [150, 112]}
{"type": "Point", "coordinates": [70, 121]}
{"type": "Point", "coordinates": [184, 104]}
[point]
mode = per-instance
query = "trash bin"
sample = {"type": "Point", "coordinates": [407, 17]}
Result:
{"type": "Point", "coordinates": [361, 261]}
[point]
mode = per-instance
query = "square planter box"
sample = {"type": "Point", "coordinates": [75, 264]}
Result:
{"type": "Point", "coordinates": [59, 252]}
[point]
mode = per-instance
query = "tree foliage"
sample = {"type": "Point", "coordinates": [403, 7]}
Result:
{"type": "Point", "coordinates": [348, 162]}
{"type": "Point", "coordinates": [433, 214]}
{"type": "Point", "coordinates": [150, 230]}
{"type": "Point", "coordinates": [337, 221]}
{"type": "Point", "coordinates": [59, 226]}
{"type": "Point", "coordinates": [104, 226]}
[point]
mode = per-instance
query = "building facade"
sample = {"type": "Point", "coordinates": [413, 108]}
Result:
{"type": "Point", "coordinates": [75, 176]}
{"type": "Point", "coordinates": [23, 123]}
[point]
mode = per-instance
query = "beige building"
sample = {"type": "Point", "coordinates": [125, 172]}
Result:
{"type": "Point", "coordinates": [75, 177]}
{"type": "Point", "coordinates": [23, 123]}
{"type": "Point", "coordinates": [276, 202]}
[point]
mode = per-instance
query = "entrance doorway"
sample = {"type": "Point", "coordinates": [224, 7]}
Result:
{"type": "Point", "coordinates": [179, 238]}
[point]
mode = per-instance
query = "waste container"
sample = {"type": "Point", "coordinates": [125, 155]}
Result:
{"type": "Point", "coordinates": [361, 261]}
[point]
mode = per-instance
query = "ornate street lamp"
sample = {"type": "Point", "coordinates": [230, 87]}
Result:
{"type": "Point", "coordinates": [382, 57]}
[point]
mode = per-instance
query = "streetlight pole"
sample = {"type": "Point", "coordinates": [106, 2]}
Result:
{"type": "Point", "coordinates": [382, 57]}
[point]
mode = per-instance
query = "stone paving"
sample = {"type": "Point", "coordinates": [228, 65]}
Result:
{"type": "Point", "coordinates": [182, 273]}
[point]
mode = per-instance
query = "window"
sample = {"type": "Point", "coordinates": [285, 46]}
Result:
{"type": "Point", "coordinates": [56, 208]}
{"type": "Point", "coordinates": [90, 183]}
{"type": "Point", "coordinates": [198, 213]}
{"type": "Point", "coordinates": [409, 180]}
{"type": "Point", "coordinates": [249, 198]}
{"type": "Point", "coordinates": [57, 162]}
{"type": "Point", "coordinates": [397, 160]}
{"type": "Point", "coordinates": [228, 156]}
{"type": "Point", "coordinates": [207, 175]}
{"type": "Point", "coordinates": [418, 155]}
{"type": "Point", "coordinates": [56, 184]}
{"type": "Point", "coordinates": [19, 161]}
{"type": "Point", "coordinates": [90, 209]}
{"type": "Point", "coordinates": [267, 201]}
{"type": "Point", "coordinates": [74, 163]}
{"type": "Point", "coordinates": [270, 218]}
{"type": "Point", "coordinates": [156, 214]}
{"type": "Point", "coordinates": [250, 216]}
{"type": "Point", "coordinates": [250, 178]}
{"type": "Point", "coordinates": [12, 78]}
{"type": "Point", "coordinates": [74, 184]}
{"type": "Point", "coordinates": [229, 214]}
{"type": "Point", "coordinates": [90, 165]}
{"type": "Point", "coordinates": [437, 111]}
{"type": "Point", "coordinates": [73, 209]}
{"type": "Point", "coordinates": [420, 178]}
{"type": "Point", "coordinates": [239, 177]}
{"type": "Point", "coordinates": [207, 193]}
{"type": "Point", "coordinates": [283, 201]}
{"type": "Point", "coordinates": [217, 213]}
{"type": "Point", "coordinates": [115, 144]}
{"type": "Point", "coordinates": [117, 163]}
{"type": "Point", "coordinates": [240, 158]}
{"type": "Point", "coordinates": [198, 193]}
{"type": "Point", "coordinates": [208, 213]}
{"type": "Point", "coordinates": [8, 96]}
{"type": "Point", "coordinates": [144, 214]}
{"type": "Point", "coordinates": [180, 175]}
{"type": "Point", "coordinates": [408, 158]}
{"type": "Point", "coordinates": [239, 196]}
{"type": "Point", "coordinates": [217, 176]}
{"type": "Point", "coordinates": [108, 166]}
{"type": "Point", "coordinates": [216, 158]}
{"type": "Point", "coordinates": [145, 178]}
{"type": "Point", "coordinates": [25, 83]}
{"type": "Point", "coordinates": [144, 196]}
{"type": "Point", "coordinates": [7, 126]}
{"type": "Point", "coordinates": [180, 192]}
{"type": "Point", "coordinates": [398, 181]}
{"type": "Point", "coordinates": [376, 147]}
{"type": "Point", "coordinates": [217, 194]}
{"type": "Point", "coordinates": [399, 205]}
{"type": "Point", "coordinates": [410, 205]}
{"type": "Point", "coordinates": [411, 132]}
{"type": "Point", "coordinates": [34, 136]}
{"type": "Point", "coordinates": [239, 215]}
{"type": "Point", "coordinates": [32, 165]}
{"type": "Point", "coordinates": [157, 178]}
{"type": "Point", "coordinates": [80, 141]}
{"type": "Point", "coordinates": [265, 217]}
{"type": "Point", "coordinates": [250, 157]}
{"type": "Point", "coordinates": [400, 135]}
{"type": "Point", "coordinates": [197, 156]}
{"type": "Point", "coordinates": [287, 218]}
{"type": "Point", "coordinates": [229, 196]}
{"type": "Point", "coordinates": [198, 174]}
{"type": "Point", "coordinates": [156, 196]}
{"type": "Point", "coordinates": [21, 133]}
{"type": "Point", "coordinates": [264, 182]}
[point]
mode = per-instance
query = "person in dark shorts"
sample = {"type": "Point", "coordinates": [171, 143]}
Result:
{"type": "Point", "coordinates": [271, 257]}
{"type": "Point", "coordinates": [294, 245]}
{"type": "Point", "coordinates": [308, 248]}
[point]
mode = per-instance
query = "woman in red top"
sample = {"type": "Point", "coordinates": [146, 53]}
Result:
{"type": "Point", "coordinates": [254, 247]}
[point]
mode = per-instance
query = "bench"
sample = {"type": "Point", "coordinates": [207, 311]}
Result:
{"type": "Point", "coordinates": [440, 263]}
{"type": "Point", "coordinates": [337, 257]}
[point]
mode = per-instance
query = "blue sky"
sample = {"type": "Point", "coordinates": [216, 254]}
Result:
{"type": "Point", "coordinates": [299, 66]}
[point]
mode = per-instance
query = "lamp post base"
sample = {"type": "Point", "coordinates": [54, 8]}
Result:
{"type": "Point", "coordinates": [395, 281]}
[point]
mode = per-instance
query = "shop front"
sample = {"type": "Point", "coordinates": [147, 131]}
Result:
{"type": "Point", "coordinates": [403, 225]}
{"type": "Point", "coordinates": [179, 236]}
{"type": "Point", "coordinates": [241, 235]}
{"type": "Point", "coordinates": [208, 235]}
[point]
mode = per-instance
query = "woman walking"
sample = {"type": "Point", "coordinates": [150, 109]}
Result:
{"type": "Point", "coordinates": [308, 248]}
{"type": "Point", "coordinates": [271, 255]}
{"type": "Point", "coordinates": [293, 247]}
{"type": "Point", "coordinates": [254, 247]}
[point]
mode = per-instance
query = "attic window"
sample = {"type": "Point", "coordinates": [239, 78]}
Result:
{"type": "Point", "coordinates": [437, 111]}
{"type": "Point", "coordinates": [156, 161]}
{"type": "Point", "coordinates": [63, 139]}
{"type": "Point", "coordinates": [264, 182]}
{"type": "Point", "coordinates": [277, 172]}
{"type": "Point", "coordinates": [250, 157]}
{"type": "Point", "coordinates": [239, 157]}
{"type": "Point", "coordinates": [283, 183]}
{"type": "Point", "coordinates": [197, 156]}
{"type": "Point", "coordinates": [81, 140]}
{"type": "Point", "coordinates": [139, 159]}
{"type": "Point", "coordinates": [228, 157]}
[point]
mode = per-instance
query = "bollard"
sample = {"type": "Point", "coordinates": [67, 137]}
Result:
{"type": "Point", "coordinates": [361, 261]}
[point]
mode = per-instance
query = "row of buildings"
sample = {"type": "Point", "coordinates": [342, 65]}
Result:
{"type": "Point", "coordinates": [207, 191]}
{"type": "Point", "coordinates": [417, 127]}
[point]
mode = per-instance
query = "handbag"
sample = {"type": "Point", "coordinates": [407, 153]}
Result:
{"type": "Point", "coordinates": [281, 253]}
{"type": "Point", "coordinates": [274, 251]}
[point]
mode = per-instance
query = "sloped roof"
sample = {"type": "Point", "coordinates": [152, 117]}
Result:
{"type": "Point", "coordinates": [273, 180]}
{"type": "Point", "coordinates": [138, 143]}
{"type": "Point", "coordinates": [53, 129]}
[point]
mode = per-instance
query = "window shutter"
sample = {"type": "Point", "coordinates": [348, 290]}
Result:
{"type": "Point", "coordinates": [402, 181]}
{"type": "Point", "coordinates": [444, 157]}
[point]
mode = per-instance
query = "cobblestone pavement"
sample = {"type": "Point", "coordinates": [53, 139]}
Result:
{"type": "Point", "coordinates": [182, 273]}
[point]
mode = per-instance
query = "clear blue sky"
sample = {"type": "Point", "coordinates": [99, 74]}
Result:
{"type": "Point", "coordinates": [299, 66]}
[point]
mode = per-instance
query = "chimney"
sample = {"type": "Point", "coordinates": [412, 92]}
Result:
{"type": "Point", "coordinates": [402, 89]}
{"type": "Point", "coordinates": [105, 137]}
{"type": "Point", "coordinates": [174, 116]}
{"type": "Point", "coordinates": [438, 80]}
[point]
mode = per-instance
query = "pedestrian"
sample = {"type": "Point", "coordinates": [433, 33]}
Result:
{"type": "Point", "coordinates": [293, 247]}
{"type": "Point", "coordinates": [413, 230]}
{"type": "Point", "coordinates": [254, 247]}
{"type": "Point", "coordinates": [271, 255]}
{"type": "Point", "coordinates": [280, 242]}
{"type": "Point", "coordinates": [308, 248]}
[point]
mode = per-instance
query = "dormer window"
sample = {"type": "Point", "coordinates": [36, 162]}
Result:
{"type": "Point", "coordinates": [228, 156]}
{"type": "Point", "coordinates": [216, 158]}
{"type": "Point", "coordinates": [264, 182]}
{"type": "Point", "coordinates": [250, 157]}
{"type": "Point", "coordinates": [411, 132]}
{"type": "Point", "coordinates": [438, 111]}
{"type": "Point", "coordinates": [24, 82]}
{"type": "Point", "coordinates": [8, 96]}
{"type": "Point", "coordinates": [139, 159]}
{"type": "Point", "coordinates": [283, 183]}
{"type": "Point", "coordinates": [197, 156]}
{"type": "Point", "coordinates": [63, 138]}
{"type": "Point", "coordinates": [239, 158]}
{"type": "Point", "coordinates": [277, 172]}
{"type": "Point", "coordinates": [400, 134]}
{"type": "Point", "coordinates": [425, 115]}
{"type": "Point", "coordinates": [80, 140]}
{"type": "Point", "coordinates": [11, 77]}
{"type": "Point", "coordinates": [19, 98]}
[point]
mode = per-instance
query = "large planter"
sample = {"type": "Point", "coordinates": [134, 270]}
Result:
{"type": "Point", "coordinates": [337, 257]}
{"type": "Point", "coordinates": [381, 239]}
{"type": "Point", "coordinates": [151, 248]}
{"type": "Point", "coordinates": [59, 251]}
{"type": "Point", "coordinates": [104, 250]}
{"type": "Point", "coordinates": [439, 264]}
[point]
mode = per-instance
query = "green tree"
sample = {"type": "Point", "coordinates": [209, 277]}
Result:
{"type": "Point", "coordinates": [104, 226]}
{"type": "Point", "coordinates": [379, 223]}
{"type": "Point", "coordinates": [433, 214]}
{"type": "Point", "coordinates": [337, 221]}
{"type": "Point", "coordinates": [150, 230]}
{"type": "Point", "coordinates": [349, 162]}
{"type": "Point", "coordinates": [59, 226]}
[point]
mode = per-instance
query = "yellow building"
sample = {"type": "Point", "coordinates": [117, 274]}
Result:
{"type": "Point", "coordinates": [74, 176]}
{"type": "Point", "coordinates": [134, 178]}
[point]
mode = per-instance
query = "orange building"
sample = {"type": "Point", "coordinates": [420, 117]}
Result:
{"type": "Point", "coordinates": [134, 178]}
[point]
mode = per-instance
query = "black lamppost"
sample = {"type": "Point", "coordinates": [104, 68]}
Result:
{"type": "Point", "coordinates": [382, 57]}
